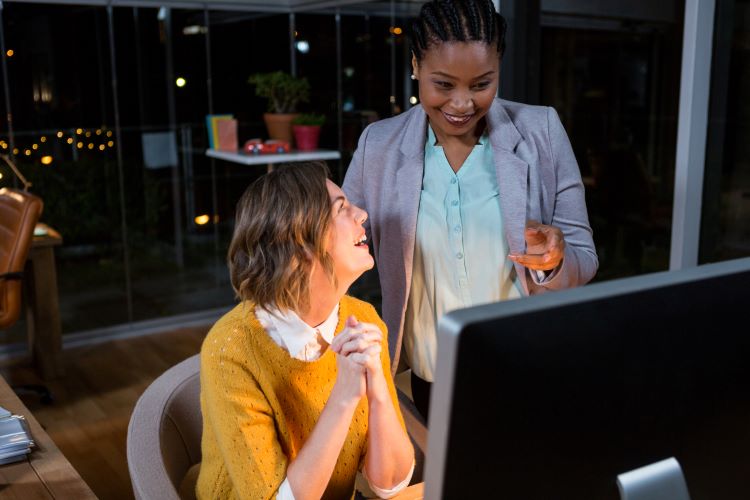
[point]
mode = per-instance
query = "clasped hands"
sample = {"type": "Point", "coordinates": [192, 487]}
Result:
{"type": "Point", "coordinates": [359, 369]}
{"type": "Point", "coordinates": [545, 247]}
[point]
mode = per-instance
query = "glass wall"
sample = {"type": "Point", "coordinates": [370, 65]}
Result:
{"type": "Point", "coordinates": [146, 217]}
{"type": "Point", "coordinates": [725, 224]}
{"type": "Point", "coordinates": [109, 110]}
{"type": "Point", "coordinates": [614, 80]}
{"type": "Point", "coordinates": [60, 90]}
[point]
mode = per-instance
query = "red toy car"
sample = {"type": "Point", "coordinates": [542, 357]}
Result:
{"type": "Point", "coordinates": [271, 146]}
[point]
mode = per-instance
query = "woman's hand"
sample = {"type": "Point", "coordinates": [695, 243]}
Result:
{"type": "Point", "coordinates": [545, 247]}
{"type": "Point", "coordinates": [361, 342]}
{"type": "Point", "coordinates": [351, 383]}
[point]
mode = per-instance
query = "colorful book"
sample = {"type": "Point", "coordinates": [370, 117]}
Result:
{"type": "Point", "coordinates": [227, 135]}
{"type": "Point", "coordinates": [213, 130]}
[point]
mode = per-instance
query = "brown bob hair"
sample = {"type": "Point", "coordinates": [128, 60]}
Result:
{"type": "Point", "coordinates": [281, 229]}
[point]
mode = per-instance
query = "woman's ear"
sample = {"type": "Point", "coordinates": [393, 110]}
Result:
{"type": "Point", "coordinates": [414, 67]}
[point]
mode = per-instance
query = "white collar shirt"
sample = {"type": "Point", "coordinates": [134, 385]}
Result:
{"type": "Point", "coordinates": [299, 339]}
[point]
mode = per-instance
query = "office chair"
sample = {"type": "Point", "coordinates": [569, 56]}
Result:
{"type": "Point", "coordinates": [164, 435]}
{"type": "Point", "coordinates": [19, 213]}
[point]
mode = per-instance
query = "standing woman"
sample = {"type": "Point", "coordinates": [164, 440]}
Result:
{"type": "Point", "coordinates": [472, 199]}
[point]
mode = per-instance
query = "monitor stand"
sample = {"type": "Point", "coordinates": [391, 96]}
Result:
{"type": "Point", "coordinates": [658, 481]}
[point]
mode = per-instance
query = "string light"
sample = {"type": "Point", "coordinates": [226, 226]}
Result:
{"type": "Point", "coordinates": [1, 175]}
{"type": "Point", "coordinates": [202, 220]}
{"type": "Point", "coordinates": [10, 52]}
{"type": "Point", "coordinates": [45, 159]}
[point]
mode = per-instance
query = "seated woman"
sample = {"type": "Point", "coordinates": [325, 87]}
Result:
{"type": "Point", "coordinates": [296, 391]}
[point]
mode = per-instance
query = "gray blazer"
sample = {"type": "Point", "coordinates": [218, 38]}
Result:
{"type": "Point", "coordinates": [537, 177]}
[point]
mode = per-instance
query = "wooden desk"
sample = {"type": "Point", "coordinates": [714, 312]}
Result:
{"type": "Point", "coordinates": [42, 304]}
{"type": "Point", "coordinates": [46, 473]}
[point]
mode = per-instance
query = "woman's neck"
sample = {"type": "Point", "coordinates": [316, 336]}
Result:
{"type": "Point", "coordinates": [470, 139]}
{"type": "Point", "coordinates": [323, 297]}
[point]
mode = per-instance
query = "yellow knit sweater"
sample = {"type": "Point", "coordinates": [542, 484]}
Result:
{"type": "Point", "coordinates": [259, 406]}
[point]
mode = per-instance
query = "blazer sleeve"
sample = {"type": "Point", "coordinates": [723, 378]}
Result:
{"type": "Point", "coordinates": [243, 424]}
{"type": "Point", "coordinates": [570, 215]}
{"type": "Point", "coordinates": [354, 180]}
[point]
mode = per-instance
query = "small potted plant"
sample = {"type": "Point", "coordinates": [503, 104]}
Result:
{"type": "Point", "coordinates": [283, 92]}
{"type": "Point", "coordinates": [307, 130]}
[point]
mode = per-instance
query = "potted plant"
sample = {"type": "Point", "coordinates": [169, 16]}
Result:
{"type": "Point", "coordinates": [283, 92]}
{"type": "Point", "coordinates": [307, 130]}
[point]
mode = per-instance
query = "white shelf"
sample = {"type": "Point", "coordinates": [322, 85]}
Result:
{"type": "Point", "coordinates": [246, 159]}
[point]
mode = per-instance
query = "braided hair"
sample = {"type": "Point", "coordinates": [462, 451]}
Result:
{"type": "Point", "coordinates": [457, 21]}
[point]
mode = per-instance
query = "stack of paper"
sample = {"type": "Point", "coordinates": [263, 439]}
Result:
{"type": "Point", "coordinates": [15, 438]}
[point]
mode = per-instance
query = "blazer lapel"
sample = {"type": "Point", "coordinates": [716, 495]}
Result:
{"type": "Point", "coordinates": [408, 185]}
{"type": "Point", "coordinates": [512, 179]}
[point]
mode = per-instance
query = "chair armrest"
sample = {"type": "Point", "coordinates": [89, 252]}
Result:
{"type": "Point", "coordinates": [11, 276]}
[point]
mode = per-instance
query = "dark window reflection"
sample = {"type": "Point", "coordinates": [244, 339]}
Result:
{"type": "Point", "coordinates": [179, 208]}
{"type": "Point", "coordinates": [725, 225]}
{"type": "Point", "coordinates": [616, 87]}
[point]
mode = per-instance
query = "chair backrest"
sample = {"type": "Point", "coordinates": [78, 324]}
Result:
{"type": "Point", "coordinates": [164, 435]}
{"type": "Point", "coordinates": [19, 213]}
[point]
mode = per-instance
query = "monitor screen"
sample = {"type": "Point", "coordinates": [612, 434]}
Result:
{"type": "Point", "coordinates": [554, 396]}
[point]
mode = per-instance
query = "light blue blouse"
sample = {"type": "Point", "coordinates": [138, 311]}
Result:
{"type": "Point", "coordinates": [460, 252]}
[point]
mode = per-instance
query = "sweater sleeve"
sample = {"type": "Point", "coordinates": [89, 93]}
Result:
{"type": "Point", "coordinates": [580, 261]}
{"type": "Point", "coordinates": [242, 422]}
{"type": "Point", "coordinates": [385, 358]}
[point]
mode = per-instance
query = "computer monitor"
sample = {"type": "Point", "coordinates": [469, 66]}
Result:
{"type": "Point", "coordinates": [554, 396]}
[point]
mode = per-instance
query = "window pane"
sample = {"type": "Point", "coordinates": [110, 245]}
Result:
{"type": "Point", "coordinates": [615, 84]}
{"type": "Point", "coordinates": [176, 260]}
{"type": "Point", "coordinates": [61, 97]}
{"type": "Point", "coordinates": [725, 225]}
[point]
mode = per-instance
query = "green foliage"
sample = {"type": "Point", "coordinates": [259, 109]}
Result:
{"type": "Point", "coordinates": [309, 119]}
{"type": "Point", "coordinates": [282, 90]}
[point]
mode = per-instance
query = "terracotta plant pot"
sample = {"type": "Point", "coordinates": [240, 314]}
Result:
{"type": "Point", "coordinates": [279, 125]}
{"type": "Point", "coordinates": [306, 136]}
